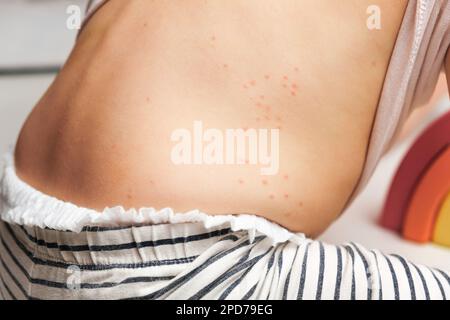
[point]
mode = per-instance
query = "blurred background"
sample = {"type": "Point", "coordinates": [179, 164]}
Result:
{"type": "Point", "coordinates": [34, 43]}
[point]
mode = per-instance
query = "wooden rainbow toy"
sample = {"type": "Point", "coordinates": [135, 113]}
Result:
{"type": "Point", "coordinates": [418, 202]}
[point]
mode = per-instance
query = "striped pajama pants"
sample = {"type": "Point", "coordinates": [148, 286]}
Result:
{"type": "Point", "coordinates": [188, 261]}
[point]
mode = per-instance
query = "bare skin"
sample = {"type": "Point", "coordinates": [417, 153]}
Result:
{"type": "Point", "coordinates": [100, 136]}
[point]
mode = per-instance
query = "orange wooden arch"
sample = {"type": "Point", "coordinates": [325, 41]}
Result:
{"type": "Point", "coordinates": [427, 200]}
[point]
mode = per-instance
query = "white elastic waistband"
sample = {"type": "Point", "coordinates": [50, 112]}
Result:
{"type": "Point", "coordinates": [21, 204]}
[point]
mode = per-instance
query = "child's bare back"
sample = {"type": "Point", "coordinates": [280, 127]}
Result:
{"type": "Point", "coordinates": [101, 136]}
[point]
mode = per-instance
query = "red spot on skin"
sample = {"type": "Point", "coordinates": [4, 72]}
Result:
{"type": "Point", "coordinates": [286, 177]}
{"type": "Point", "coordinates": [245, 128]}
{"type": "Point", "coordinates": [267, 77]}
{"type": "Point", "coordinates": [241, 181]}
{"type": "Point", "coordinates": [300, 204]}
{"type": "Point", "coordinates": [253, 83]}
{"type": "Point", "coordinates": [258, 104]}
{"type": "Point", "coordinates": [294, 86]}
{"type": "Point", "coordinates": [285, 78]}
{"type": "Point", "coordinates": [213, 38]}
{"type": "Point", "coordinates": [293, 93]}
{"type": "Point", "coordinates": [262, 97]}
{"type": "Point", "coordinates": [271, 196]}
{"type": "Point", "coordinates": [288, 214]}
{"type": "Point", "coordinates": [286, 196]}
{"type": "Point", "coordinates": [296, 69]}
{"type": "Point", "coordinates": [245, 86]}
{"type": "Point", "coordinates": [247, 162]}
{"type": "Point", "coordinates": [265, 182]}
{"type": "Point", "coordinates": [225, 66]}
{"type": "Point", "coordinates": [148, 99]}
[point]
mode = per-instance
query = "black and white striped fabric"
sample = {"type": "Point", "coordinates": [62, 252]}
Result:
{"type": "Point", "coordinates": [188, 261]}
